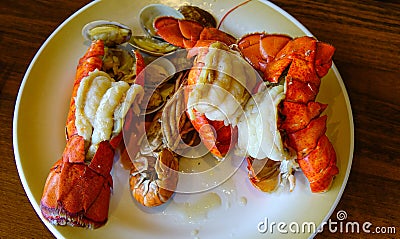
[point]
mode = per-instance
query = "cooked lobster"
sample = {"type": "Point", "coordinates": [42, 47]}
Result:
{"type": "Point", "coordinates": [78, 188]}
{"type": "Point", "coordinates": [298, 64]}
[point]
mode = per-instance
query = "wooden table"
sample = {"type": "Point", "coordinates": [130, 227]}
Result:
{"type": "Point", "coordinates": [367, 37]}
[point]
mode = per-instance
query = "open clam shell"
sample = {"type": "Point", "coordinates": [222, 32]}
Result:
{"type": "Point", "coordinates": [151, 45]}
{"type": "Point", "coordinates": [157, 73]}
{"type": "Point", "coordinates": [112, 33]}
{"type": "Point", "coordinates": [199, 15]}
{"type": "Point", "coordinates": [151, 12]}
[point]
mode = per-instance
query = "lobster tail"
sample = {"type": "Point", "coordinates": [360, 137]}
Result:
{"type": "Point", "coordinates": [301, 62]}
{"type": "Point", "coordinates": [76, 193]}
{"type": "Point", "coordinates": [78, 188]}
{"type": "Point", "coordinates": [316, 156]}
{"type": "Point", "coordinates": [67, 198]}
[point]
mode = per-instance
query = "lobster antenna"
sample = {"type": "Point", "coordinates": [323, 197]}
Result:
{"type": "Point", "coordinates": [231, 10]}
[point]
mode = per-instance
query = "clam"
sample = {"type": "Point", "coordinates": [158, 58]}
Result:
{"type": "Point", "coordinates": [151, 12]}
{"type": "Point", "coordinates": [151, 45]}
{"type": "Point", "coordinates": [112, 33]}
{"type": "Point", "coordinates": [199, 15]}
{"type": "Point", "coordinates": [157, 91]}
{"type": "Point", "coordinates": [158, 72]}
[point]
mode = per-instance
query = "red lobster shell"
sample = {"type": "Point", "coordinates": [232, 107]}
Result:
{"type": "Point", "coordinates": [77, 192]}
{"type": "Point", "coordinates": [302, 62]}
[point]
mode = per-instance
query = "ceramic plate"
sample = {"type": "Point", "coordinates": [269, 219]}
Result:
{"type": "Point", "coordinates": [232, 210]}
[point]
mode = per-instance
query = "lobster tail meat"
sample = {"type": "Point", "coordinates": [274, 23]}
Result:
{"type": "Point", "coordinates": [216, 92]}
{"type": "Point", "coordinates": [91, 61]}
{"type": "Point", "coordinates": [78, 188]}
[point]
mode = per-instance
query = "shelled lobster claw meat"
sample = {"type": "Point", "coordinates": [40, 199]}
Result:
{"type": "Point", "coordinates": [78, 188]}
{"type": "Point", "coordinates": [293, 68]}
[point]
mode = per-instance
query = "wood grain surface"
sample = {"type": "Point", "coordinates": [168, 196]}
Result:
{"type": "Point", "coordinates": [366, 34]}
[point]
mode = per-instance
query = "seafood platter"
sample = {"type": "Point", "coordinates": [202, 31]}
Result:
{"type": "Point", "coordinates": [185, 116]}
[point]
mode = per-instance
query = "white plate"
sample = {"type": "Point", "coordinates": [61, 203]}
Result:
{"type": "Point", "coordinates": [42, 106]}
